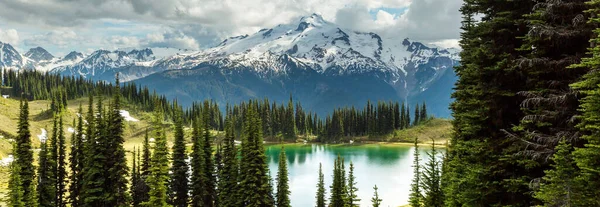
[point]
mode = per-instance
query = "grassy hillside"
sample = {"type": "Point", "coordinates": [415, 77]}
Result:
{"type": "Point", "coordinates": [39, 119]}
{"type": "Point", "coordinates": [437, 129]}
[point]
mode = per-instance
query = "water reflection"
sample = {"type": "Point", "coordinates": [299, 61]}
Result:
{"type": "Point", "coordinates": [387, 166]}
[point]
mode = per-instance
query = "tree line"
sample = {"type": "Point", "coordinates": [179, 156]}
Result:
{"type": "Point", "coordinates": [526, 106]}
{"type": "Point", "coordinates": [279, 121]}
{"type": "Point", "coordinates": [95, 172]}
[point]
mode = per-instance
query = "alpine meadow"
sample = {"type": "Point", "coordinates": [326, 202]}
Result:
{"type": "Point", "coordinates": [203, 103]}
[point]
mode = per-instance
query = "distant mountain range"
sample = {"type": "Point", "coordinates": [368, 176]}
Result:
{"type": "Point", "coordinates": [319, 63]}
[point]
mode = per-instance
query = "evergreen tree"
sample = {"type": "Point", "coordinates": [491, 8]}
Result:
{"type": "Point", "coordinates": [290, 123]}
{"type": "Point", "coordinates": [198, 177]}
{"type": "Point", "coordinates": [417, 115]}
{"type": "Point", "coordinates": [179, 169]}
{"type": "Point", "coordinates": [61, 172]}
{"type": "Point", "coordinates": [588, 157]}
{"type": "Point", "coordinates": [93, 192]}
{"type": "Point", "coordinates": [434, 196]}
{"type": "Point", "coordinates": [486, 102]}
{"type": "Point", "coordinates": [338, 186]}
{"type": "Point", "coordinates": [144, 168]}
{"type": "Point", "coordinates": [209, 168]}
{"type": "Point", "coordinates": [423, 116]}
{"type": "Point", "coordinates": [352, 189]}
{"type": "Point", "coordinates": [560, 186]}
{"type": "Point", "coordinates": [23, 156]}
{"type": "Point", "coordinates": [321, 188]}
{"type": "Point", "coordinates": [116, 165]}
{"type": "Point", "coordinates": [228, 177]}
{"type": "Point", "coordinates": [283, 191]}
{"type": "Point", "coordinates": [76, 160]}
{"type": "Point", "coordinates": [415, 198]}
{"type": "Point", "coordinates": [253, 164]}
{"type": "Point", "coordinates": [376, 200]}
{"type": "Point", "coordinates": [46, 189]}
{"type": "Point", "coordinates": [135, 180]}
{"type": "Point", "coordinates": [15, 188]}
{"type": "Point", "coordinates": [159, 165]}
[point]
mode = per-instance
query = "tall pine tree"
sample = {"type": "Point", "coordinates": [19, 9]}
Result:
{"type": "Point", "coordinates": [352, 197]}
{"type": "Point", "coordinates": [15, 188]}
{"type": "Point", "coordinates": [179, 169]}
{"type": "Point", "coordinates": [24, 156]}
{"type": "Point", "coordinates": [283, 188]}
{"type": "Point", "coordinates": [321, 188]}
{"type": "Point", "coordinates": [115, 183]}
{"type": "Point", "coordinates": [228, 177]}
{"type": "Point", "coordinates": [76, 160]}
{"type": "Point", "coordinates": [253, 164]}
{"type": "Point", "coordinates": [159, 165]}
{"type": "Point", "coordinates": [416, 198]}
{"type": "Point", "coordinates": [485, 104]}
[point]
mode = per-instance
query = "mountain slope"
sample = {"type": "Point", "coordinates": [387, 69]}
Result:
{"type": "Point", "coordinates": [9, 57]}
{"type": "Point", "coordinates": [320, 63]}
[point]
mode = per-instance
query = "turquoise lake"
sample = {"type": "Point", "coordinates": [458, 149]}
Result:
{"type": "Point", "coordinates": [387, 166]}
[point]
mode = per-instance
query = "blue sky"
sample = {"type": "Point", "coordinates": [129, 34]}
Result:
{"type": "Point", "coordinates": [87, 25]}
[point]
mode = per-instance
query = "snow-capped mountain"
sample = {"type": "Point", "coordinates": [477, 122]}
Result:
{"type": "Point", "coordinates": [9, 57]}
{"type": "Point", "coordinates": [73, 56]}
{"type": "Point", "coordinates": [39, 54]}
{"type": "Point", "coordinates": [312, 58]}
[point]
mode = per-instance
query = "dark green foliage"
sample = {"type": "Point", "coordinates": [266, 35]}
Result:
{"type": "Point", "coordinates": [486, 103]}
{"type": "Point", "coordinates": [209, 168]}
{"type": "Point", "coordinates": [431, 180]}
{"type": "Point", "coordinates": [283, 188]}
{"type": "Point", "coordinates": [338, 186]}
{"type": "Point", "coordinates": [423, 116]}
{"type": "Point", "coordinates": [417, 115]}
{"type": "Point", "coordinates": [179, 168]}
{"type": "Point", "coordinates": [415, 199]}
{"type": "Point", "coordinates": [15, 188]}
{"type": "Point", "coordinates": [159, 165]}
{"type": "Point", "coordinates": [135, 179]}
{"type": "Point", "coordinates": [588, 156]}
{"type": "Point", "coordinates": [289, 124]}
{"type": "Point", "coordinates": [560, 186]}
{"type": "Point", "coordinates": [198, 177]}
{"type": "Point", "coordinates": [253, 164]}
{"type": "Point", "coordinates": [23, 156]}
{"type": "Point", "coordinates": [46, 188]}
{"type": "Point", "coordinates": [76, 160]}
{"type": "Point", "coordinates": [321, 188]}
{"type": "Point", "coordinates": [352, 198]}
{"type": "Point", "coordinates": [228, 176]}
{"type": "Point", "coordinates": [376, 201]}
{"type": "Point", "coordinates": [61, 172]}
{"type": "Point", "coordinates": [144, 168]}
{"type": "Point", "coordinates": [115, 184]}
{"type": "Point", "coordinates": [94, 169]}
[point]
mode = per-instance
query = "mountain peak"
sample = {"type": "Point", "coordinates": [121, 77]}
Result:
{"type": "Point", "coordinates": [38, 54]}
{"type": "Point", "coordinates": [314, 20]}
{"type": "Point", "coordinates": [73, 55]}
{"type": "Point", "coordinates": [9, 57]}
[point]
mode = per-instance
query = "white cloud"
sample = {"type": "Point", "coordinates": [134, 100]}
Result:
{"type": "Point", "coordinates": [61, 38]}
{"type": "Point", "coordinates": [10, 36]}
{"type": "Point", "coordinates": [202, 23]}
{"type": "Point", "coordinates": [448, 43]}
{"type": "Point", "coordinates": [172, 40]}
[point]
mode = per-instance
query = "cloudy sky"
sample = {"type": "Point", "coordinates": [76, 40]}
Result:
{"type": "Point", "coordinates": [61, 26]}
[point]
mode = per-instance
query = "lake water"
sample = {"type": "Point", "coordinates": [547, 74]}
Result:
{"type": "Point", "coordinates": [388, 167]}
